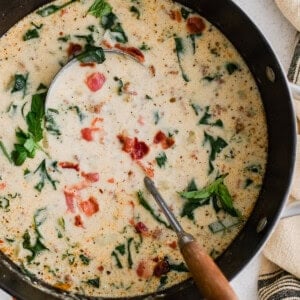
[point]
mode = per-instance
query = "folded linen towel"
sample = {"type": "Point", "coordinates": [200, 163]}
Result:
{"type": "Point", "coordinates": [279, 276]}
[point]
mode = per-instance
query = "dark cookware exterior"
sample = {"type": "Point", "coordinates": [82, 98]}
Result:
{"type": "Point", "coordinates": [281, 155]}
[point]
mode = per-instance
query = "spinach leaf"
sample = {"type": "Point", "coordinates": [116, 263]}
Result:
{"type": "Point", "coordinates": [32, 33]}
{"type": "Point", "coordinates": [162, 282]}
{"type": "Point", "coordinates": [178, 268]}
{"type": "Point", "coordinates": [78, 111]}
{"type": "Point", "coordinates": [146, 205]}
{"type": "Point", "coordinates": [4, 202]}
{"type": "Point", "coordinates": [156, 117]}
{"type": "Point", "coordinates": [121, 249]}
{"type": "Point", "coordinates": [92, 54]}
{"type": "Point", "coordinates": [161, 159]}
{"type": "Point", "coordinates": [254, 168]}
{"type": "Point", "coordinates": [89, 39]}
{"type": "Point", "coordinates": [193, 37]}
{"type": "Point", "coordinates": [85, 260]}
{"type": "Point", "coordinates": [224, 225]}
{"type": "Point", "coordinates": [50, 123]}
{"type": "Point", "coordinates": [51, 9]}
{"type": "Point", "coordinates": [95, 282]}
{"type": "Point", "coordinates": [20, 83]}
{"type": "Point", "coordinates": [44, 176]}
{"type": "Point", "coordinates": [196, 108]}
{"type": "Point", "coordinates": [179, 51]}
{"type": "Point", "coordinates": [185, 13]}
{"type": "Point", "coordinates": [135, 11]}
{"type": "Point", "coordinates": [64, 39]}
{"type": "Point", "coordinates": [216, 145]}
{"type": "Point", "coordinates": [120, 85]}
{"type": "Point", "coordinates": [129, 257]}
{"type": "Point", "coordinates": [231, 68]}
{"type": "Point", "coordinates": [216, 190]}
{"type": "Point", "coordinates": [205, 120]}
{"type": "Point", "coordinates": [118, 262]}
{"type": "Point", "coordinates": [100, 8]}
{"type": "Point", "coordinates": [5, 152]}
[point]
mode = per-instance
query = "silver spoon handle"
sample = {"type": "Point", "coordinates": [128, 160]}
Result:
{"type": "Point", "coordinates": [162, 204]}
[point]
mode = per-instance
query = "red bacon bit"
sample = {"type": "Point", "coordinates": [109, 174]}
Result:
{"type": "Point", "coordinates": [100, 268]}
{"type": "Point", "coordinates": [161, 268]}
{"type": "Point", "coordinates": [78, 221]}
{"type": "Point", "coordinates": [87, 133]}
{"type": "Point", "coordinates": [195, 25]}
{"type": "Point", "coordinates": [2, 185]}
{"type": "Point", "coordinates": [175, 15]}
{"type": "Point", "coordinates": [135, 52]}
{"type": "Point", "coordinates": [63, 12]}
{"type": "Point", "coordinates": [173, 245]}
{"type": "Point", "coordinates": [137, 149]}
{"type": "Point", "coordinates": [92, 65]}
{"type": "Point", "coordinates": [111, 180]}
{"type": "Point", "coordinates": [149, 171]}
{"type": "Point", "coordinates": [96, 120]}
{"type": "Point", "coordinates": [92, 177]}
{"type": "Point", "coordinates": [141, 228]}
{"type": "Point", "coordinates": [143, 270]}
{"type": "Point", "coordinates": [1, 242]}
{"type": "Point", "coordinates": [161, 138]}
{"type": "Point", "coordinates": [70, 201]}
{"type": "Point", "coordinates": [69, 165]}
{"type": "Point", "coordinates": [90, 206]}
{"type": "Point", "coordinates": [74, 49]}
{"type": "Point", "coordinates": [106, 44]}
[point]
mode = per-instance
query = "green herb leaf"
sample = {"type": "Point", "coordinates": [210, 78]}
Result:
{"type": "Point", "coordinates": [100, 8]}
{"type": "Point", "coordinates": [50, 123]}
{"type": "Point", "coordinates": [44, 176]}
{"type": "Point", "coordinates": [110, 22]}
{"type": "Point", "coordinates": [78, 111]}
{"type": "Point", "coordinates": [85, 260]}
{"type": "Point", "coordinates": [231, 68]}
{"type": "Point", "coordinates": [64, 39]}
{"type": "Point", "coordinates": [31, 34]}
{"type": "Point", "coordinates": [161, 159]}
{"type": "Point", "coordinates": [129, 257]}
{"type": "Point", "coordinates": [20, 83]}
{"type": "Point", "coordinates": [179, 268]}
{"type": "Point", "coordinates": [118, 262]}
{"type": "Point", "coordinates": [146, 205]}
{"type": "Point", "coordinates": [144, 47]}
{"type": "Point", "coordinates": [193, 37]}
{"type": "Point", "coordinates": [185, 13]}
{"type": "Point", "coordinates": [205, 120]}
{"type": "Point", "coordinates": [4, 151]}
{"type": "Point", "coordinates": [89, 39]}
{"type": "Point", "coordinates": [156, 117]}
{"type": "Point", "coordinates": [121, 249]}
{"type": "Point", "coordinates": [216, 190]}
{"type": "Point", "coordinates": [216, 145]}
{"type": "Point", "coordinates": [95, 282]}
{"type": "Point", "coordinates": [51, 9]}
{"type": "Point", "coordinates": [135, 11]}
{"type": "Point", "coordinates": [222, 226]}
{"type": "Point", "coordinates": [92, 55]}
{"type": "Point", "coordinates": [179, 51]}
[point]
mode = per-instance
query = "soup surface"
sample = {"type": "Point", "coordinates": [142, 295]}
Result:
{"type": "Point", "coordinates": [180, 107]}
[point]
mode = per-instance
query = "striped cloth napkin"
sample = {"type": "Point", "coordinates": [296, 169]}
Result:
{"type": "Point", "coordinates": [280, 268]}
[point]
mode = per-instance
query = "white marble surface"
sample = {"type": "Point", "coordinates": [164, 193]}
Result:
{"type": "Point", "coordinates": [281, 36]}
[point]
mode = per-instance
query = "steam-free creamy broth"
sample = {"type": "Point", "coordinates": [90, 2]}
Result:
{"type": "Point", "coordinates": [181, 107]}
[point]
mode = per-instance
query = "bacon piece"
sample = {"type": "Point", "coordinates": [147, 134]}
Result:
{"type": "Point", "coordinates": [135, 52]}
{"type": "Point", "coordinates": [144, 270]}
{"type": "Point", "coordinates": [70, 201]}
{"type": "Point", "coordinates": [87, 133]}
{"type": "Point", "coordinates": [95, 81]}
{"type": "Point", "coordinates": [161, 138]}
{"type": "Point", "coordinates": [92, 177]}
{"type": "Point", "coordinates": [100, 268]}
{"type": "Point", "coordinates": [96, 120]}
{"type": "Point", "coordinates": [88, 64]}
{"type": "Point", "coordinates": [78, 221]}
{"type": "Point", "coordinates": [74, 49]}
{"type": "Point", "coordinates": [111, 180]}
{"type": "Point", "coordinates": [141, 228]}
{"type": "Point", "coordinates": [137, 149]}
{"type": "Point", "coordinates": [175, 15]}
{"type": "Point", "coordinates": [149, 171]}
{"type": "Point", "coordinates": [161, 268]}
{"type": "Point", "coordinates": [2, 185]}
{"type": "Point", "coordinates": [90, 206]}
{"type": "Point", "coordinates": [173, 245]}
{"type": "Point", "coordinates": [69, 165]}
{"type": "Point", "coordinates": [195, 25]}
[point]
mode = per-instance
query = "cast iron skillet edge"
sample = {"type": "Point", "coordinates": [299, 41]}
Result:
{"type": "Point", "coordinates": [281, 155]}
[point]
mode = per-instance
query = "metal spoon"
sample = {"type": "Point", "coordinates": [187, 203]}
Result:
{"type": "Point", "coordinates": [206, 274]}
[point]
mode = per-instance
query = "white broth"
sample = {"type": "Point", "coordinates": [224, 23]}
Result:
{"type": "Point", "coordinates": [184, 110]}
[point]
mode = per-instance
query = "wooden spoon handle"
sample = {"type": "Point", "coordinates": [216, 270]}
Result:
{"type": "Point", "coordinates": [206, 274]}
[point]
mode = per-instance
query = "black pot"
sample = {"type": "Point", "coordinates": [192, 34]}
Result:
{"type": "Point", "coordinates": [273, 87]}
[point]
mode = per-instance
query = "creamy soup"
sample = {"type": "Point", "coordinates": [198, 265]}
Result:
{"type": "Point", "coordinates": [180, 106]}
